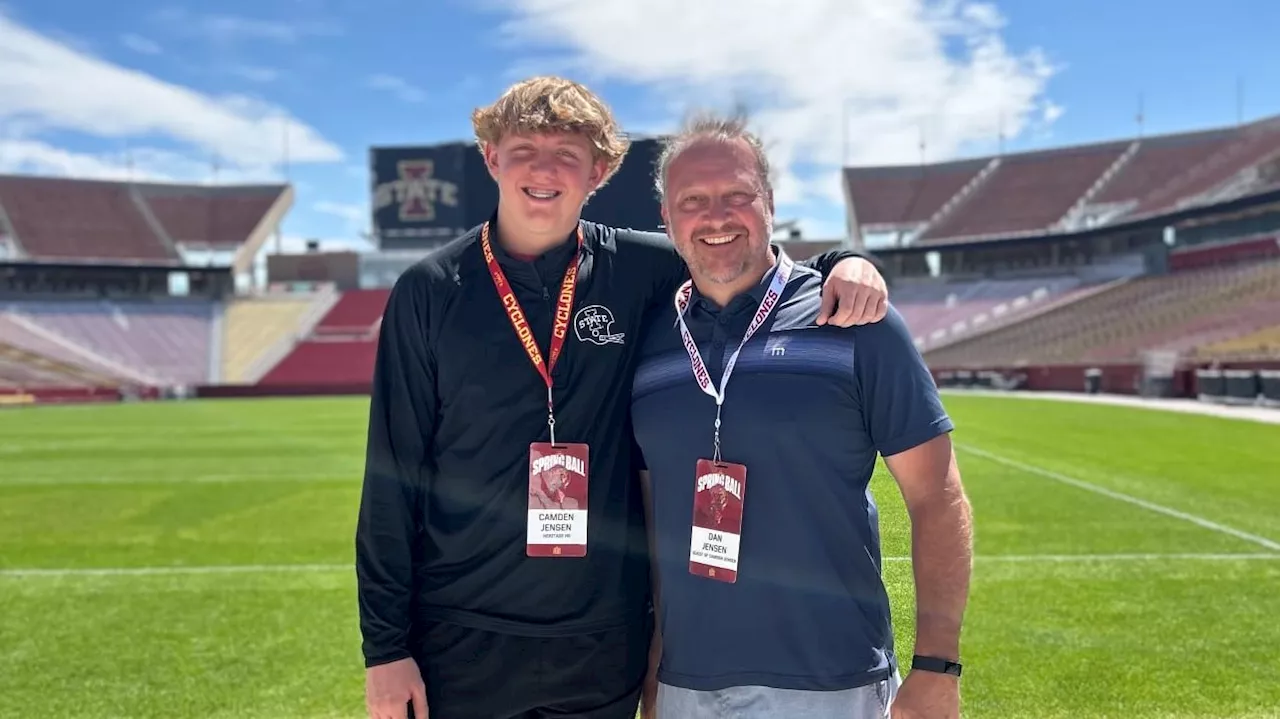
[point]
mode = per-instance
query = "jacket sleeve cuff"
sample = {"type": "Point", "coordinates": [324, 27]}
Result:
{"type": "Point", "coordinates": [386, 657]}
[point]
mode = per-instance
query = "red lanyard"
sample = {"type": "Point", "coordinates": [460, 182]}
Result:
{"type": "Point", "coordinates": [560, 324]}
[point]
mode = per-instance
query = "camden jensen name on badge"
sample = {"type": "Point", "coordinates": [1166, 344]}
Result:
{"type": "Point", "coordinates": [557, 501]}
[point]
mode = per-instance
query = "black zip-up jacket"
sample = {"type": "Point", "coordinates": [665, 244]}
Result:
{"type": "Point", "coordinates": [455, 404]}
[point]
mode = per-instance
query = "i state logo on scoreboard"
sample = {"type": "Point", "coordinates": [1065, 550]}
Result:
{"type": "Point", "coordinates": [417, 190]}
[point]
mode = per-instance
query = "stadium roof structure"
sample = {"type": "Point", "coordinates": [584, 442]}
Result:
{"type": "Point", "coordinates": [1063, 190]}
{"type": "Point", "coordinates": [58, 219]}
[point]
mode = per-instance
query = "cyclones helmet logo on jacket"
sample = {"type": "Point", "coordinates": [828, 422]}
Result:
{"type": "Point", "coordinates": [594, 324]}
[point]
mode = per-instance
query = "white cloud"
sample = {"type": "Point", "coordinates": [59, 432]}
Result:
{"type": "Point", "coordinates": [1052, 111]}
{"type": "Point", "coordinates": [57, 88]}
{"type": "Point", "coordinates": [895, 69]}
{"type": "Point", "coordinates": [398, 86]}
{"type": "Point", "coordinates": [355, 217]}
{"type": "Point", "coordinates": [30, 156]}
{"type": "Point", "coordinates": [140, 44]}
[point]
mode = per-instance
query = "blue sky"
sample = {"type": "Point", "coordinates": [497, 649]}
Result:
{"type": "Point", "coordinates": [161, 89]}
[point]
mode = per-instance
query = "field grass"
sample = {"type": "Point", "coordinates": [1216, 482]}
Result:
{"type": "Point", "coordinates": [193, 559]}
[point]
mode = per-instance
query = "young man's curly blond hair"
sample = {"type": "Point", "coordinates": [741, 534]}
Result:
{"type": "Point", "coordinates": [549, 104]}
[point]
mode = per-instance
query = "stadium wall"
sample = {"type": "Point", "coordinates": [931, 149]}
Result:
{"type": "Point", "coordinates": [1091, 246]}
{"type": "Point", "coordinates": [282, 390]}
{"type": "Point", "coordinates": [1126, 379]}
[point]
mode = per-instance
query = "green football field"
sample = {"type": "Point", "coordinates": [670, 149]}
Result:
{"type": "Point", "coordinates": [193, 560]}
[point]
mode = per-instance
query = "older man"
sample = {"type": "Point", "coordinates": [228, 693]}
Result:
{"type": "Point", "coordinates": [501, 388]}
{"type": "Point", "coordinates": [771, 602]}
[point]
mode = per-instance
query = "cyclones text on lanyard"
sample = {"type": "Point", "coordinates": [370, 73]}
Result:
{"type": "Point", "coordinates": [560, 323]}
{"type": "Point", "coordinates": [700, 372]}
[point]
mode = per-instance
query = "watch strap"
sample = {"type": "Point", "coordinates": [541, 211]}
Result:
{"type": "Point", "coordinates": [936, 664]}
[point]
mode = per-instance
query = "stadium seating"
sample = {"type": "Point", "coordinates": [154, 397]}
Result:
{"type": "Point", "coordinates": [1027, 192]}
{"type": "Point", "coordinates": [69, 219]}
{"type": "Point", "coordinates": [169, 341]}
{"type": "Point", "coordinates": [356, 313]}
{"type": "Point", "coordinates": [253, 327]}
{"type": "Point", "coordinates": [1117, 324]}
{"type": "Point", "coordinates": [29, 343]}
{"type": "Point", "coordinates": [907, 194]}
{"type": "Point", "coordinates": [212, 216]}
{"type": "Point", "coordinates": [1250, 147]}
{"type": "Point", "coordinates": [340, 349]}
{"type": "Point", "coordinates": [25, 370]}
{"type": "Point", "coordinates": [937, 313]}
{"type": "Point", "coordinates": [79, 220]}
{"type": "Point", "coordinates": [1067, 189]}
{"type": "Point", "coordinates": [1209, 327]}
{"type": "Point", "coordinates": [1157, 160]}
{"type": "Point", "coordinates": [325, 362]}
{"type": "Point", "coordinates": [1263, 344]}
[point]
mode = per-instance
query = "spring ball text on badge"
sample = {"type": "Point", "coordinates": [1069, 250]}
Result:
{"type": "Point", "coordinates": [731, 485]}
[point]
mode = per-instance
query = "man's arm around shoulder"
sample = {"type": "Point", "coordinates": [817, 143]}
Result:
{"type": "Point", "coordinates": [402, 420]}
{"type": "Point", "coordinates": [854, 289]}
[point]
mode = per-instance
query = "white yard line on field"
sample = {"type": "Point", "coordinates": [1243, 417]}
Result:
{"type": "Point", "coordinates": [334, 568]}
{"type": "Point", "coordinates": [1057, 558]}
{"type": "Point", "coordinates": [1121, 497]}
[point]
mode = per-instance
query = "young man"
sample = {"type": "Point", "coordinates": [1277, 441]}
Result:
{"type": "Point", "coordinates": [769, 593]}
{"type": "Point", "coordinates": [503, 376]}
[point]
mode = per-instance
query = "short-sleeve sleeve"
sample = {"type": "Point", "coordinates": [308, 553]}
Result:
{"type": "Point", "coordinates": [900, 401]}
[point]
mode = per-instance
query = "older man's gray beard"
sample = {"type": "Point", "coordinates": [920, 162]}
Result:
{"type": "Point", "coordinates": [748, 262]}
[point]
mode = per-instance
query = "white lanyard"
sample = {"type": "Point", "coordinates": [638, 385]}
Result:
{"type": "Point", "coordinates": [700, 373]}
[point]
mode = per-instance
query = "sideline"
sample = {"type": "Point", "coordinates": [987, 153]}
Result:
{"type": "Point", "coordinates": [1266, 415]}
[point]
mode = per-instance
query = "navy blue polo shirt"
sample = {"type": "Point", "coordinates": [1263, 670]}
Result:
{"type": "Point", "coordinates": [807, 410]}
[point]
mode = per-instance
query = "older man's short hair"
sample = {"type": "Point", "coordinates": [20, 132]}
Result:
{"type": "Point", "coordinates": [710, 126]}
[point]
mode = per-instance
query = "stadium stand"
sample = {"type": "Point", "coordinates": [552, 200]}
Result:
{"type": "Point", "coordinates": [67, 219]}
{"type": "Point", "coordinates": [1251, 147]}
{"type": "Point", "coordinates": [20, 369]}
{"type": "Point", "coordinates": [941, 312]}
{"type": "Point", "coordinates": [1263, 344]}
{"type": "Point", "coordinates": [320, 362]}
{"type": "Point", "coordinates": [31, 343]}
{"type": "Point", "coordinates": [907, 195]}
{"type": "Point", "coordinates": [356, 313]}
{"type": "Point", "coordinates": [259, 331]}
{"type": "Point", "coordinates": [169, 341]}
{"type": "Point", "coordinates": [1025, 193]}
{"type": "Point", "coordinates": [1155, 161]}
{"type": "Point", "coordinates": [342, 347]}
{"type": "Point", "coordinates": [78, 220]}
{"type": "Point", "coordinates": [1117, 324]}
{"type": "Point", "coordinates": [209, 216]}
{"type": "Point", "coordinates": [1063, 190]}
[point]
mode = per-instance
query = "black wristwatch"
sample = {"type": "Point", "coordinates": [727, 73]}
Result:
{"type": "Point", "coordinates": [934, 664]}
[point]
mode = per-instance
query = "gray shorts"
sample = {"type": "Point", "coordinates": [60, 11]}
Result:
{"type": "Point", "coordinates": [868, 702]}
